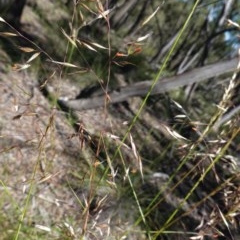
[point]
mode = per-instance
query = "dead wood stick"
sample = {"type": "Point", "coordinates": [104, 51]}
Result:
{"type": "Point", "coordinates": [163, 85]}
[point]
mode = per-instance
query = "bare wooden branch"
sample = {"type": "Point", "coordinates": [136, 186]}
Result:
{"type": "Point", "coordinates": [163, 85]}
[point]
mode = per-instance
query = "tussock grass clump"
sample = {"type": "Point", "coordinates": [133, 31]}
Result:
{"type": "Point", "coordinates": [91, 148]}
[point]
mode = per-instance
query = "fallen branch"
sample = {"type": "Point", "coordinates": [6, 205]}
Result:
{"type": "Point", "coordinates": [164, 85]}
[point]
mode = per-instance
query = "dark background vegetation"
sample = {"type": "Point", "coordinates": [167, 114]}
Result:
{"type": "Point", "coordinates": [79, 160]}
